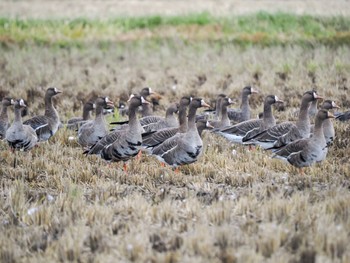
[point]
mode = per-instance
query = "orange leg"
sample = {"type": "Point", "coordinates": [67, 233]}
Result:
{"type": "Point", "coordinates": [125, 167]}
{"type": "Point", "coordinates": [139, 155]}
{"type": "Point", "coordinates": [162, 164]}
{"type": "Point", "coordinates": [251, 147]}
{"type": "Point", "coordinates": [176, 170]}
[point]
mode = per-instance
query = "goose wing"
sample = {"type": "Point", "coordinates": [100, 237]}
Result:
{"type": "Point", "coordinates": [167, 146]}
{"type": "Point", "coordinates": [291, 148]}
{"type": "Point", "coordinates": [154, 139]}
{"type": "Point", "coordinates": [37, 122]}
{"type": "Point", "coordinates": [273, 133]}
{"type": "Point", "coordinates": [242, 128]}
{"type": "Point", "coordinates": [105, 141]}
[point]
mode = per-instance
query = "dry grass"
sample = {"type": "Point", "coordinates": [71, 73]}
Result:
{"type": "Point", "coordinates": [58, 205]}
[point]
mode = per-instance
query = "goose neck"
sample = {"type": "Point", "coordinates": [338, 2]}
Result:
{"type": "Point", "coordinates": [183, 119]}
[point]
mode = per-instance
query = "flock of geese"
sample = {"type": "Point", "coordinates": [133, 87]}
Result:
{"type": "Point", "coordinates": [176, 140]}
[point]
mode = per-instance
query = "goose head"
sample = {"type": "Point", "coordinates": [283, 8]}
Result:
{"type": "Point", "coordinates": [7, 101]}
{"type": "Point", "coordinates": [198, 103]}
{"type": "Point", "coordinates": [249, 90]}
{"type": "Point", "coordinates": [329, 104]}
{"type": "Point", "coordinates": [52, 92]}
{"type": "Point", "coordinates": [272, 99]}
{"type": "Point", "coordinates": [185, 101]}
{"type": "Point", "coordinates": [324, 114]}
{"type": "Point", "coordinates": [104, 102]}
{"type": "Point", "coordinates": [19, 104]}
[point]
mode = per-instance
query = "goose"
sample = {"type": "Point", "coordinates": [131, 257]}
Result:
{"type": "Point", "coordinates": [224, 120]}
{"type": "Point", "coordinates": [210, 113]}
{"type": "Point", "coordinates": [4, 118]}
{"type": "Point", "coordinates": [20, 136]}
{"type": "Point", "coordinates": [121, 145]}
{"type": "Point", "coordinates": [343, 116]}
{"type": "Point", "coordinates": [153, 122]}
{"type": "Point", "coordinates": [304, 152]}
{"type": "Point", "coordinates": [203, 125]}
{"type": "Point", "coordinates": [286, 132]}
{"type": "Point", "coordinates": [167, 122]}
{"type": "Point", "coordinates": [312, 110]}
{"type": "Point", "coordinates": [93, 130]}
{"type": "Point", "coordinates": [328, 128]}
{"type": "Point", "coordinates": [242, 114]}
{"type": "Point", "coordinates": [244, 130]}
{"type": "Point", "coordinates": [50, 121]}
{"type": "Point", "coordinates": [183, 148]}
{"type": "Point", "coordinates": [151, 140]}
{"type": "Point", "coordinates": [76, 122]}
{"type": "Point", "coordinates": [147, 108]}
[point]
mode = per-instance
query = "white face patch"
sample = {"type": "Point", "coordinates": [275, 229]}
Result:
{"type": "Point", "coordinates": [230, 101]}
{"type": "Point", "coordinates": [315, 95]}
{"type": "Point", "coordinates": [276, 98]}
{"type": "Point", "coordinates": [150, 91]}
{"type": "Point", "coordinates": [21, 103]}
{"type": "Point", "coordinates": [143, 100]}
{"type": "Point", "coordinates": [93, 105]}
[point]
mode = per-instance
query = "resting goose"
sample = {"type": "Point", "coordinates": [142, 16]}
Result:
{"type": "Point", "coordinates": [151, 140]}
{"type": "Point", "coordinates": [76, 122]}
{"type": "Point", "coordinates": [224, 121]}
{"type": "Point", "coordinates": [121, 145]}
{"type": "Point", "coordinates": [305, 152]}
{"type": "Point", "coordinates": [242, 114]}
{"type": "Point", "coordinates": [210, 113]}
{"type": "Point", "coordinates": [244, 130]}
{"type": "Point", "coordinates": [147, 108]}
{"type": "Point", "coordinates": [18, 135]}
{"type": "Point", "coordinates": [183, 148]}
{"type": "Point", "coordinates": [50, 121]}
{"type": "Point", "coordinates": [168, 122]}
{"type": "Point", "coordinates": [4, 118]}
{"type": "Point", "coordinates": [93, 130]}
{"type": "Point", "coordinates": [344, 116]}
{"type": "Point", "coordinates": [286, 132]}
{"type": "Point", "coordinates": [328, 128]}
{"type": "Point", "coordinates": [203, 125]}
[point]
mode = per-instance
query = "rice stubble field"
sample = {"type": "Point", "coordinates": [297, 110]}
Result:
{"type": "Point", "coordinates": [232, 205]}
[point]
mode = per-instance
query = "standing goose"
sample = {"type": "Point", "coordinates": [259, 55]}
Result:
{"type": "Point", "coordinates": [121, 145]}
{"type": "Point", "coordinates": [183, 148]}
{"type": "Point", "coordinates": [224, 121]}
{"type": "Point", "coordinates": [286, 132]}
{"type": "Point", "coordinates": [4, 118]}
{"type": "Point", "coordinates": [76, 122]}
{"type": "Point", "coordinates": [92, 131]}
{"type": "Point", "coordinates": [305, 152]}
{"type": "Point", "coordinates": [151, 140]}
{"type": "Point", "coordinates": [246, 129]}
{"type": "Point", "coordinates": [20, 136]}
{"type": "Point", "coordinates": [242, 114]}
{"type": "Point", "coordinates": [50, 121]}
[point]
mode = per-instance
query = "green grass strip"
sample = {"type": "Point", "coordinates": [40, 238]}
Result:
{"type": "Point", "coordinates": [261, 28]}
